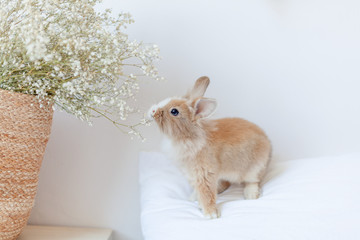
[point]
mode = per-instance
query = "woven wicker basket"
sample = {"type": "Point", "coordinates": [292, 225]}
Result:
{"type": "Point", "coordinates": [24, 133]}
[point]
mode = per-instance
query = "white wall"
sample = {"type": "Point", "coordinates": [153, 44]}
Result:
{"type": "Point", "coordinates": [290, 66]}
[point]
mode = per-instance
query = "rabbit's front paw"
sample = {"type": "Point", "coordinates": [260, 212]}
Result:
{"type": "Point", "coordinates": [212, 214]}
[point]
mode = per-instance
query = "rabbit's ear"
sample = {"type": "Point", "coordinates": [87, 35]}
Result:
{"type": "Point", "coordinates": [199, 88]}
{"type": "Point", "coordinates": [205, 107]}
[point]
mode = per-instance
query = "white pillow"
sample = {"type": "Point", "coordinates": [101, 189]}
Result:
{"type": "Point", "coordinates": [314, 198]}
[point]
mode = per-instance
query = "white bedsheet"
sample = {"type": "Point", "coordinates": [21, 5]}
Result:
{"type": "Point", "coordinates": [315, 198]}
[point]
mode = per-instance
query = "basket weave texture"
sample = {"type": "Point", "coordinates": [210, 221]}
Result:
{"type": "Point", "coordinates": [24, 133]}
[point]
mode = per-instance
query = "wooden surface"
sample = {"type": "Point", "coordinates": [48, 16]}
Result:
{"type": "Point", "coordinates": [64, 233]}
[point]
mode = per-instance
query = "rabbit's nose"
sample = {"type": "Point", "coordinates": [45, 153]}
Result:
{"type": "Point", "coordinates": [151, 112]}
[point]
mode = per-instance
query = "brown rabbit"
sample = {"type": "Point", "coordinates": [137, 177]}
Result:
{"type": "Point", "coordinates": [213, 153]}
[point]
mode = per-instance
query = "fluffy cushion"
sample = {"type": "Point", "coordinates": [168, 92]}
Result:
{"type": "Point", "coordinates": [314, 198]}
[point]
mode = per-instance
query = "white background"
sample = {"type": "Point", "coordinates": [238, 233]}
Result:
{"type": "Point", "coordinates": [292, 67]}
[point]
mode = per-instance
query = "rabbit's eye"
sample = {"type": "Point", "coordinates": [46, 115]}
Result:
{"type": "Point", "coordinates": [174, 112]}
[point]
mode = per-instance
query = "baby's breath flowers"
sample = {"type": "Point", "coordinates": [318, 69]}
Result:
{"type": "Point", "coordinates": [69, 55]}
